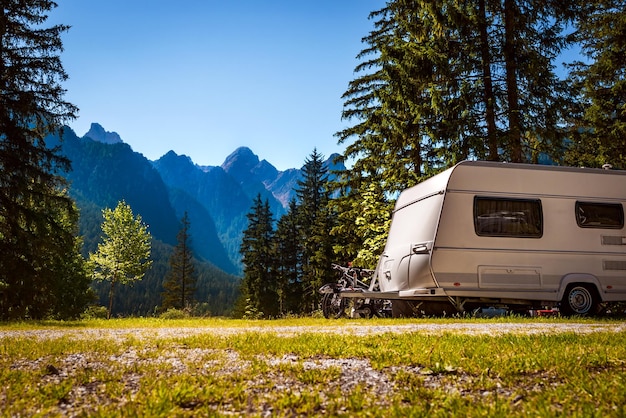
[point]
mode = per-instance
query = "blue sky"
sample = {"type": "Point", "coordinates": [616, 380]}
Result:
{"type": "Point", "coordinates": [203, 77]}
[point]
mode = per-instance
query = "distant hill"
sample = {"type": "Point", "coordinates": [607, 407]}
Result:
{"type": "Point", "coordinates": [105, 170]}
{"type": "Point", "coordinates": [227, 191]}
{"type": "Point", "coordinates": [102, 175]}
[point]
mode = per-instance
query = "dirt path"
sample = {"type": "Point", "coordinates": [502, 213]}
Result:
{"type": "Point", "coordinates": [350, 329]}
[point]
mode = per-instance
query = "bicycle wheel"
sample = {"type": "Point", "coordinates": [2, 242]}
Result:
{"type": "Point", "coordinates": [334, 306]}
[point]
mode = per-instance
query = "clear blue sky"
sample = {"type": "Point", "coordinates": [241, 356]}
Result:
{"type": "Point", "coordinates": [203, 77]}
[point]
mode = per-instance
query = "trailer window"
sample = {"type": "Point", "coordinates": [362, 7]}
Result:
{"type": "Point", "coordinates": [599, 215]}
{"type": "Point", "coordinates": [498, 217]}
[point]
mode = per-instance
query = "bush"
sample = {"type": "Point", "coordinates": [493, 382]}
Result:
{"type": "Point", "coordinates": [95, 312]}
{"type": "Point", "coordinates": [173, 313]}
{"type": "Point", "coordinates": [202, 310]}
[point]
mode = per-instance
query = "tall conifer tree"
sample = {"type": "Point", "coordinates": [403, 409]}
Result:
{"type": "Point", "coordinates": [287, 249]}
{"type": "Point", "coordinates": [259, 284]}
{"type": "Point", "coordinates": [441, 81]}
{"type": "Point", "coordinates": [37, 218]}
{"type": "Point", "coordinates": [599, 131]}
{"type": "Point", "coordinates": [315, 223]}
{"type": "Point", "coordinates": [180, 283]}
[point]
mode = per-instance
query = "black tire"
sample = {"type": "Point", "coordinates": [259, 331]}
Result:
{"type": "Point", "coordinates": [368, 311]}
{"type": "Point", "coordinates": [334, 306]}
{"type": "Point", "coordinates": [579, 299]}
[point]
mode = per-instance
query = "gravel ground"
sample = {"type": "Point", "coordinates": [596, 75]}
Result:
{"type": "Point", "coordinates": [356, 329]}
{"type": "Point", "coordinates": [354, 372]}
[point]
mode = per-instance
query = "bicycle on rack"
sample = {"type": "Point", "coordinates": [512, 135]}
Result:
{"type": "Point", "coordinates": [352, 280]}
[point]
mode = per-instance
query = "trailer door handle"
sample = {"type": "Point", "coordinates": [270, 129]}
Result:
{"type": "Point", "coordinates": [420, 249]}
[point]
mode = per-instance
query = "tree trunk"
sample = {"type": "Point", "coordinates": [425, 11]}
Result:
{"type": "Point", "coordinates": [488, 96]}
{"type": "Point", "coordinates": [510, 52]}
{"type": "Point", "coordinates": [111, 298]}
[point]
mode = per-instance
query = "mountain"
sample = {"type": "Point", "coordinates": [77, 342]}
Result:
{"type": "Point", "coordinates": [97, 133]}
{"type": "Point", "coordinates": [103, 174]}
{"type": "Point", "coordinates": [217, 200]}
{"type": "Point", "coordinates": [254, 176]}
{"type": "Point", "coordinates": [227, 191]}
{"type": "Point", "coordinates": [215, 191]}
{"type": "Point", "coordinates": [244, 166]}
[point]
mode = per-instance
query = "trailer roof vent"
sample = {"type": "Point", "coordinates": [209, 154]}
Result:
{"type": "Point", "coordinates": [607, 166]}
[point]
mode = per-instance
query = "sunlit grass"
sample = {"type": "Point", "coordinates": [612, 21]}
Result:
{"type": "Point", "coordinates": [310, 373]}
{"type": "Point", "coordinates": [154, 322]}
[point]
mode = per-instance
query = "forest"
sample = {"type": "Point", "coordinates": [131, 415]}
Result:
{"type": "Point", "coordinates": [437, 82]}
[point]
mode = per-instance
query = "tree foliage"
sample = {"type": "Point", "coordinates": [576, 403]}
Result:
{"type": "Point", "coordinates": [180, 283]}
{"type": "Point", "coordinates": [258, 284]}
{"type": "Point", "coordinates": [441, 81]}
{"type": "Point", "coordinates": [315, 221]}
{"type": "Point", "coordinates": [123, 255]}
{"type": "Point", "coordinates": [287, 266]}
{"type": "Point", "coordinates": [41, 272]}
{"type": "Point", "coordinates": [599, 134]}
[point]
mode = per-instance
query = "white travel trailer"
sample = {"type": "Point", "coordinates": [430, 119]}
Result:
{"type": "Point", "coordinates": [486, 234]}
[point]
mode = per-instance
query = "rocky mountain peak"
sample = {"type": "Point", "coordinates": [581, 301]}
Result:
{"type": "Point", "coordinates": [97, 133]}
{"type": "Point", "coordinates": [242, 159]}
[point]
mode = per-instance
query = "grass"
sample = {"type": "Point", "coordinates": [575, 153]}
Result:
{"type": "Point", "coordinates": [309, 373]}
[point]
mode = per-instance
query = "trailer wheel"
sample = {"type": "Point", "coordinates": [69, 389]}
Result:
{"type": "Point", "coordinates": [579, 299]}
{"type": "Point", "coordinates": [334, 306]}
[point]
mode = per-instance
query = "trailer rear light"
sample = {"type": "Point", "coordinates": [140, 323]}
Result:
{"type": "Point", "coordinates": [457, 284]}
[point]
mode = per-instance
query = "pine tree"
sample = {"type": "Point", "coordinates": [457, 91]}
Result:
{"type": "Point", "coordinates": [37, 218]}
{"type": "Point", "coordinates": [315, 221]}
{"type": "Point", "coordinates": [599, 130]}
{"type": "Point", "coordinates": [180, 283]}
{"type": "Point", "coordinates": [442, 81]}
{"type": "Point", "coordinates": [287, 249]}
{"type": "Point", "coordinates": [259, 284]}
{"type": "Point", "coordinates": [124, 254]}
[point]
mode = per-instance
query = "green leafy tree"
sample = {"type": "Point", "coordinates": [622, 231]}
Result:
{"type": "Point", "coordinates": [180, 283]}
{"type": "Point", "coordinates": [258, 284]}
{"type": "Point", "coordinates": [372, 223]}
{"type": "Point", "coordinates": [37, 217]}
{"type": "Point", "coordinates": [123, 255]}
{"type": "Point", "coordinates": [599, 129]}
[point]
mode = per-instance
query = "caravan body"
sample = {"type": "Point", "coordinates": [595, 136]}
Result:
{"type": "Point", "coordinates": [483, 233]}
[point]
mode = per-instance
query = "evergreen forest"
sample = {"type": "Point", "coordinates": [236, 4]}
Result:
{"type": "Point", "coordinates": [439, 82]}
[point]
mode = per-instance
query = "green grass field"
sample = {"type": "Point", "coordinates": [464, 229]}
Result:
{"type": "Point", "coordinates": [309, 367]}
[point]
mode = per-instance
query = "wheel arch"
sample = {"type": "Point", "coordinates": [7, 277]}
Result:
{"type": "Point", "coordinates": [580, 278]}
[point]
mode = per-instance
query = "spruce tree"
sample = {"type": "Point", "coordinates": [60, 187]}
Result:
{"type": "Point", "coordinates": [599, 128]}
{"type": "Point", "coordinates": [180, 283]}
{"type": "Point", "coordinates": [259, 286]}
{"type": "Point", "coordinates": [40, 267]}
{"type": "Point", "coordinates": [287, 249]}
{"type": "Point", "coordinates": [441, 81]}
{"type": "Point", "coordinates": [316, 222]}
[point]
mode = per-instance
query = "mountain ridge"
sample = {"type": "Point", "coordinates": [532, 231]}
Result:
{"type": "Point", "coordinates": [216, 198]}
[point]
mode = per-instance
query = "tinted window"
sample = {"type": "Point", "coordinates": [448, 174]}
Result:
{"type": "Point", "coordinates": [497, 217]}
{"type": "Point", "coordinates": [599, 215]}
